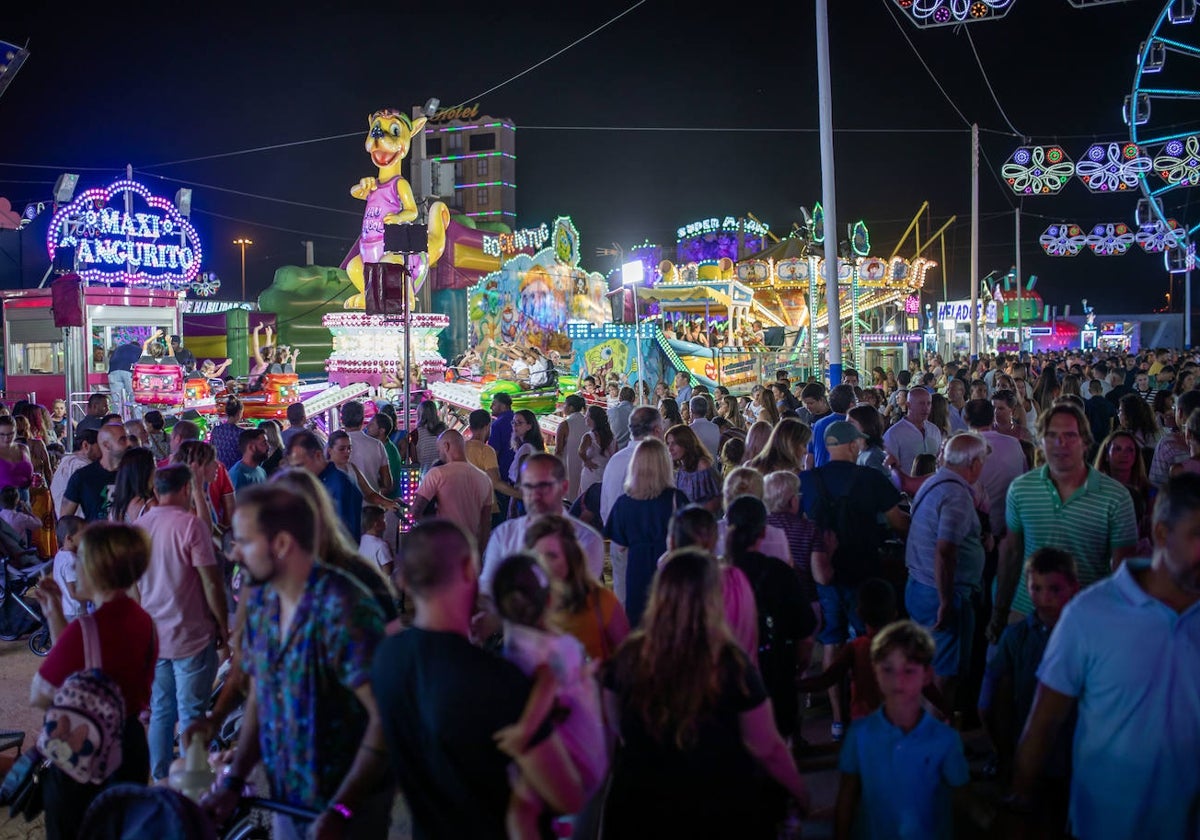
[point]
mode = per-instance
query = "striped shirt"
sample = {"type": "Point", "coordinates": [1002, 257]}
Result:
{"type": "Point", "coordinates": [1096, 520]}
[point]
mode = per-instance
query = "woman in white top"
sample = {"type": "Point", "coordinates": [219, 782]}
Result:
{"type": "Point", "coordinates": [595, 448]}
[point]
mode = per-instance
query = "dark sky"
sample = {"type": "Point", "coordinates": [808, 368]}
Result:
{"type": "Point", "coordinates": [136, 83]}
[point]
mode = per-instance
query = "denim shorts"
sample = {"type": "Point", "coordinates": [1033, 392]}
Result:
{"type": "Point", "coordinates": [839, 611]}
{"type": "Point", "coordinates": [953, 655]}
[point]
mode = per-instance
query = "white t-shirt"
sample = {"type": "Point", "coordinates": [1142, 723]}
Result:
{"type": "Point", "coordinates": [64, 573]}
{"type": "Point", "coordinates": [375, 549]}
{"type": "Point", "coordinates": [368, 455]}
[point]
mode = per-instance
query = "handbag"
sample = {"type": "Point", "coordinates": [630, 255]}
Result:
{"type": "Point", "coordinates": [21, 790]}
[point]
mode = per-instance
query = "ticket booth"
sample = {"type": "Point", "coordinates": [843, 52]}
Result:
{"type": "Point", "coordinates": [54, 362]}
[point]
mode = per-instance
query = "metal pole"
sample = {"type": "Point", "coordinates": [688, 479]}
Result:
{"type": "Point", "coordinates": [974, 342]}
{"type": "Point", "coordinates": [1187, 298]}
{"type": "Point", "coordinates": [243, 269]}
{"type": "Point", "coordinates": [637, 337]}
{"type": "Point", "coordinates": [828, 199]}
{"type": "Point", "coordinates": [1020, 287]}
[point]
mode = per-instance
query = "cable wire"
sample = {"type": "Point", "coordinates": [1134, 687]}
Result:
{"type": "Point", "coordinates": [338, 238]}
{"type": "Point", "coordinates": [988, 82]}
{"type": "Point", "coordinates": [552, 57]}
{"type": "Point", "coordinates": [741, 129]}
{"type": "Point", "coordinates": [65, 168]}
{"type": "Point", "coordinates": [249, 195]}
{"type": "Point", "coordinates": [254, 150]}
{"type": "Point", "coordinates": [887, 5]}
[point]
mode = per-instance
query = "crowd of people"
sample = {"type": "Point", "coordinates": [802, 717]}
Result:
{"type": "Point", "coordinates": [618, 635]}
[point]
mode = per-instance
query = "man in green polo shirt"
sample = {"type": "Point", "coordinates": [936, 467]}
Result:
{"type": "Point", "coordinates": [1065, 504]}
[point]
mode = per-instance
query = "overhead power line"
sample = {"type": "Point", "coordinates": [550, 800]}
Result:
{"type": "Point", "coordinates": [988, 82]}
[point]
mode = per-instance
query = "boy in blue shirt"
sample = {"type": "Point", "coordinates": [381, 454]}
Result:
{"type": "Point", "coordinates": [899, 764]}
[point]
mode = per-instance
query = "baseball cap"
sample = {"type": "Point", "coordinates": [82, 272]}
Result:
{"type": "Point", "coordinates": [841, 432]}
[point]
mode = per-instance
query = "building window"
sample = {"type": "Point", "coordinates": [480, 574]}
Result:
{"type": "Point", "coordinates": [433, 146]}
{"type": "Point", "coordinates": [484, 142]}
{"type": "Point", "coordinates": [455, 141]}
{"type": "Point", "coordinates": [481, 198]}
{"type": "Point", "coordinates": [481, 166]}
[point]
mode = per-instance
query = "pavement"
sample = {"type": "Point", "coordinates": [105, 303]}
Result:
{"type": "Point", "coordinates": [818, 760]}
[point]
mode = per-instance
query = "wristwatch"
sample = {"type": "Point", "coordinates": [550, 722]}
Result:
{"type": "Point", "coordinates": [341, 810]}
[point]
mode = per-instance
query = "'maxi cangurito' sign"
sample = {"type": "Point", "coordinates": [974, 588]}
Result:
{"type": "Point", "coordinates": [124, 234]}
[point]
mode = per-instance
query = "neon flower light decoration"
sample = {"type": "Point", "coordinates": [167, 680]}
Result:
{"type": "Point", "coordinates": [1112, 167]}
{"type": "Point", "coordinates": [927, 13]}
{"type": "Point", "coordinates": [1179, 162]}
{"type": "Point", "coordinates": [1156, 237]}
{"type": "Point", "coordinates": [156, 247]}
{"type": "Point", "coordinates": [1038, 170]}
{"type": "Point", "coordinates": [1111, 240]}
{"type": "Point", "coordinates": [1064, 240]}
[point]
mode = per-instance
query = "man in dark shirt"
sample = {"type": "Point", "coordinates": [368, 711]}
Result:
{"type": "Point", "coordinates": [120, 373]}
{"type": "Point", "coordinates": [97, 407]}
{"type": "Point", "coordinates": [500, 437]}
{"type": "Point", "coordinates": [442, 699]}
{"type": "Point", "coordinates": [89, 490]}
{"type": "Point", "coordinates": [183, 355]}
{"type": "Point", "coordinates": [304, 451]}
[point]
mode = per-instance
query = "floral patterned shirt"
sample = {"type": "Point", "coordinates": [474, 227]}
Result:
{"type": "Point", "coordinates": [309, 721]}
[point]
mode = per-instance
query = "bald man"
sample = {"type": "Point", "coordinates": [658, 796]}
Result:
{"type": "Point", "coordinates": [463, 491]}
{"type": "Point", "coordinates": [89, 491]}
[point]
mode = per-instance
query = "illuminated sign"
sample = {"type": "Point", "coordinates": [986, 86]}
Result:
{"type": "Point", "coordinates": [507, 244]}
{"type": "Point", "coordinates": [889, 338]}
{"type": "Point", "coordinates": [729, 223]}
{"type": "Point", "coordinates": [123, 234]}
{"type": "Point", "coordinates": [460, 112]}
{"type": "Point", "coordinates": [959, 311]}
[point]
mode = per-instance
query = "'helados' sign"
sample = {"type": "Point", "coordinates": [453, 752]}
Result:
{"type": "Point", "coordinates": [124, 234]}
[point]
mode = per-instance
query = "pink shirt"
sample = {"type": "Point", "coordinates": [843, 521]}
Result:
{"type": "Point", "coordinates": [463, 493]}
{"type": "Point", "coordinates": [171, 590]}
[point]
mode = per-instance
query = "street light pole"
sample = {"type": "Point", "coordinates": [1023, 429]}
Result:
{"type": "Point", "coordinates": [243, 242]}
{"type": "Point", "coordinates": [633, 273]}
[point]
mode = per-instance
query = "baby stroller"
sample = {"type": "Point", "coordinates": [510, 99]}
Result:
{"type": "Point", "coordinates": [136, 811]}
{"type": "Point", "coordinates": [20, 615]}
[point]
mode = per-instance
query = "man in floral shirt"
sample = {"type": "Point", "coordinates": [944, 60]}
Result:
{"type": "Point", "coordinates": [310, 637]}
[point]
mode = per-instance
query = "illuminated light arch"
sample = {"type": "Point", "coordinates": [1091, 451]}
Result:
{"type": "Point", "coordinates": [1063, 240]}
{"type": "Point", "coordinates": [929, 13]}
{"type": "Point", "coordinates": [1038, 170]}
{"type": "Point", "coordinates": [1112, 167]}
{"type": "Point", "coordinates": [1111, 240]}
{"type": "Point", "coordinates": [112, 246]}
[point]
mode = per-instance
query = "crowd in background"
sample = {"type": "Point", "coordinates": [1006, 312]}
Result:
{"type": "Point", "coordinates": [626, 627]}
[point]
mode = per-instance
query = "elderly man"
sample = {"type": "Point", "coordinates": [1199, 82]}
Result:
{"type": "Point", "coordinates": [945, 556]}
{"type": "Point", "coordinates": [462, 490]}
{"type": "Point", "coordinates": [1064, 504]}
{"type": "Point", "coordinates": [1123, 656]}
{"type": "Point", "coordinates": [913, 434]}
{"type": "Point", "coordinates": [706, 430]}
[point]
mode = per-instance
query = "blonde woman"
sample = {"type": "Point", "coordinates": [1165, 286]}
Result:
{"type": "Point", "coordinates": [745, 481]}
{"type": "Point", "coordinates": [756, 440]}
{"type": "Point", "coordinates": [641, 517]}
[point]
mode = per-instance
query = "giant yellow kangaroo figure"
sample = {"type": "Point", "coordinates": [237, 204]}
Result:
{"type": "Point", "coordinates": [390, 200]}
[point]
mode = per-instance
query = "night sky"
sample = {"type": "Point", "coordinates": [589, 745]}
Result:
{"type": "Point", "coordinates": [138, 84]}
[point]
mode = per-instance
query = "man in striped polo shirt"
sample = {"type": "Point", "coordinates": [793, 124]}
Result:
{"type": "Point", "coordinates": [1065, 504]}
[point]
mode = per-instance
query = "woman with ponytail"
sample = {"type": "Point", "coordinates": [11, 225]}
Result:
{"type": "Point", "coordinates": [785, 618]}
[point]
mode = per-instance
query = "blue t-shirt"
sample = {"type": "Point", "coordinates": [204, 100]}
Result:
{"type": "Point", "coordinates": [347, 499]}
{"type": "Point", "coordinates": [500, 439]}
{"type": "Point", "coordinates": [242, 476]}
{"type": "Point", "coordinates": [906, 778]}
{"type": "Point", "coordinates": [124, 357]}
{"type": "Point", "coordinates": [817, 446]}
{"type": "Point", "coordinates": [1131, 662]}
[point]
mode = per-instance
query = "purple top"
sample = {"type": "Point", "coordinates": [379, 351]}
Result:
{"type": "Point", "coordinates": [383, 200]}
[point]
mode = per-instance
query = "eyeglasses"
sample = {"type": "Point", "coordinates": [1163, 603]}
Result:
{"type": "Point", "coordinates": [539, 487]}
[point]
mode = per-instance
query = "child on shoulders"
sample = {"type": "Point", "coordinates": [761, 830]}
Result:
{"type": "Point", "coordinates": [564, 686]}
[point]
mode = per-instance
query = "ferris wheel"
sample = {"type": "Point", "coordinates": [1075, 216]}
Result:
{"type": "Point", "coordinates": [1160, 113]}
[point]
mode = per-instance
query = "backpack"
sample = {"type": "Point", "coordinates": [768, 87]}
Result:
{"type": "Point", "coordinates": [82, 731]}
{"type": "Point", "coordinates": [854, 547]}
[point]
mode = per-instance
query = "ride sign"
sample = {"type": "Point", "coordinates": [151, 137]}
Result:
{"type": "Point", "coordinates": [124, 234]}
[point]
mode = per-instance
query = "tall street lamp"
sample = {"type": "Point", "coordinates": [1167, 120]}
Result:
{"type": "Point", "coordinates": [633, 273]}
{"type": "Point", "coordinates": [243, 242]}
